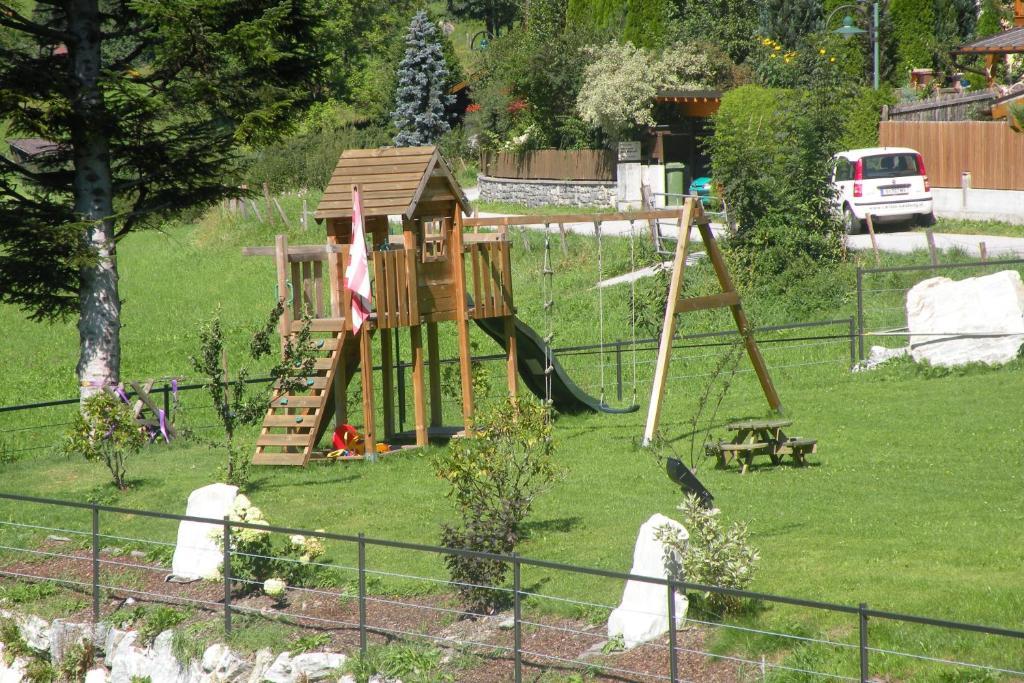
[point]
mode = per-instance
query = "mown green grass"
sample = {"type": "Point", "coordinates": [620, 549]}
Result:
{"type": "Point", "coordinates": [912, 504]}
{"type": "Point", "coordinates": [972, 227]}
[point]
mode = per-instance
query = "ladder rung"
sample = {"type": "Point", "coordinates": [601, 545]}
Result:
{"type": "Point", "coordinates": [283, 440]}
{"type": "Point", "coordinates": [262, 457]}
{"type": "Point", "coordinates": [298, 402]}
{"type": "Point", "coordinates": [309, 384]}
{"type": "Point", "coordinates": [295, 421]}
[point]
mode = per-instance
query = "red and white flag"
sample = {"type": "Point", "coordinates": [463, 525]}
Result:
{"type": "Point", "coordinates": [357, 275]}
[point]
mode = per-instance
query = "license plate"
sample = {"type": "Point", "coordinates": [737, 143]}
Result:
{"type": "Point", "coordinates": [889, 191]}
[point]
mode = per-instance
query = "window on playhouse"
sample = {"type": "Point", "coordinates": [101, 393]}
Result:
{"type": "Point", "coordinates": [435, 239]}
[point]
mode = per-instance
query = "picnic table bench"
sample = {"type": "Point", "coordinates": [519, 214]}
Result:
{"type": "Point", "coordinates": [762, 437]}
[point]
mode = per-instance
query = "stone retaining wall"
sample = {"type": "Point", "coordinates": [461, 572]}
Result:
{"type": "Point", "coordinates": [546, 192]}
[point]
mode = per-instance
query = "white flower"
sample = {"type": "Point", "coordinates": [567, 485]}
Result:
{"type": "Point", "coordinates": [254, 515]}
{"type": "Point", "coordinates": [297, 540]}
{"type": "Point", "coordinates": [275, 588]}
{"type": "Point", "coordinates": [313, 547]}
{"type": "Point", "coordinates": [215, 575]}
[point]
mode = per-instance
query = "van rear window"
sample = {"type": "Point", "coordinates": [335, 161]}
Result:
{"type": "Point", "coordinates": [890, 166]}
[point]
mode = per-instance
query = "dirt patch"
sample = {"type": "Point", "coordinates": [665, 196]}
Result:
{"type": "Point", "coordinates": [549, 644]}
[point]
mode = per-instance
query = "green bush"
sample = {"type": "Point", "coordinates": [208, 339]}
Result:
{"type": "Point", "coordinates": [713, 555]}
{"type": "Point", "coordinates": [105, 431]}
{"type": "Point", "coordinates": [860, 128]}
{"type": "Point", "coordinates": [495, 476]}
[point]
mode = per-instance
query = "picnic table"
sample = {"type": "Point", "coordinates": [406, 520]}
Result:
{"type": "Point", "coordinates": [762, 437]}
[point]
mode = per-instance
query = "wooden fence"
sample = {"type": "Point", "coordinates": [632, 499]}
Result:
{"type": "Point", "coordinates": [942, 107]}
{"type": "Point", "coordinates": [990, 150]}
{"type": "Point", "coordinates": [550, 164]}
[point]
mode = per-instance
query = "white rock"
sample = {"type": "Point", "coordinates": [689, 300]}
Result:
{"type": "Point", "coordinates": [224, 664]}
{"type": "Point", "coordinates": [880, 354]}
{"type": "Point", "coordinates": [35, 631]}
{"type": "Point", "coordinates": [281, 670]}
{"type": "Point", "coordinates": [66, 635]}
{"type": "Point", "coordinates": [261, 663]}
{"type": "Point", "coordinates": [164, 667]}
{"type": "Point", "coordinates": [96, 676]}
{"type": "Point", "coordinates": [117, 644]}
{"type": "Point", "coordinates": [15, 673]}
{"type": "Point", "coordinates": [347, 678]}
{"type": "Point", "coordinates": [317, 666]}
{"type": "Point", "coordinates": [643, 612]}
{"type": "Point", "coordinates": [129, 662]}
{"type": "Point", "coordinates": [196, 556]}
{"type": "Point", "coordinates": [940, 310]}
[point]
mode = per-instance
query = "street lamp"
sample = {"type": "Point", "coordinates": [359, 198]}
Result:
{"type": "Point", "coordinates": [849, 30]}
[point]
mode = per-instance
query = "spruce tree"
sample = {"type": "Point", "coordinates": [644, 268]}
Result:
{"type": "Point", "coordinates": [790, 21]}
{"type": "Point", "coordinates": [422, 93]}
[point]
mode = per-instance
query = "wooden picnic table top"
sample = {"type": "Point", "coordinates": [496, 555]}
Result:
{"type": "Point", "coordinates": [775, 423]}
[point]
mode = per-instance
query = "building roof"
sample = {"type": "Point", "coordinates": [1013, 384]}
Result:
{"type": "Point", "coordinates": [1007, 42]}
{"type": "Point", "coordinates": [33, 147]}
{"type": "Point", "coordinates": [391, 180]}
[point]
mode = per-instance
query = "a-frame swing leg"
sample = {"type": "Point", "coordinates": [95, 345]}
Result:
{"type": "Point", "coordinates": [693, 213]}
{"type": "Point", "coordinates": [668, 328]}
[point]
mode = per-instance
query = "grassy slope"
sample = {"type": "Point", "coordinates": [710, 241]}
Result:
{"type": "Point", "coordinates": [913, 503]}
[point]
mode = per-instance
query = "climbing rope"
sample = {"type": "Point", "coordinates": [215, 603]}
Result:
{"type": "Point", "coordinates": [547, 291]}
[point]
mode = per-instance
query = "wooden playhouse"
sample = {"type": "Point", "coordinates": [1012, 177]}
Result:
{"type": "Point", "coordinates": [420, 278]}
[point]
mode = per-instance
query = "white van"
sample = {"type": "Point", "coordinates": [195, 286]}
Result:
{"type": "Point", "coordinates": [890, 183]}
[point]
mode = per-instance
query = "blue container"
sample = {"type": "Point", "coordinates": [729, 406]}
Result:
{"type": "Point", "coordinates": [701, 187]}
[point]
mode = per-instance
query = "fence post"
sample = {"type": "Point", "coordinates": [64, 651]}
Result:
{"type": "Point", "coordinates": [95, 563]}
{"type": "Point", "coordinates": [853, 343]}
{"type": "Point", "coordinates": [863, 619]}
{"type": "Point", "coordinates": [362, 593]}
{"type": "Point", "coordinates": [860, 314]}
{"type": "Point", "coordinates": [517, 616]}
{"type": "Point", "coordinates": [227, 576]}
{"type": "Point", "coordinates": [673, 665]}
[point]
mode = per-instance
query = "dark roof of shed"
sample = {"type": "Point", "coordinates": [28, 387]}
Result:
{"type": "Point", "coordinates": [690, 94]}
{"type": "Point", "coordinates": [1007, 42]}
{"type": "Point", "coordinates": [391, 181]}
{"type": "Point", "coordinates": [32, 147]}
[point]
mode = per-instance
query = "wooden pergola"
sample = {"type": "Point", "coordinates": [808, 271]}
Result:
{"type": "Point", "coordinates": [1010, 42]}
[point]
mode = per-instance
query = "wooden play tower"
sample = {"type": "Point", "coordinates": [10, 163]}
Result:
{"type": "Point", "coordinates": [419, 277]}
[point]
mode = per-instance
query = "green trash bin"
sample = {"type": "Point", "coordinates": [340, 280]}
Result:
{"type": "Point", "coordinates": [675, 172]}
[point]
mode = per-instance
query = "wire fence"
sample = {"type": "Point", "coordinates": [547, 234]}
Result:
{"type": "Point", "coordinates": [882, 295]}
{"type": "Point", "coordinates": [618, 371]}
{"type": "Point", "coordinates": [339, 595]}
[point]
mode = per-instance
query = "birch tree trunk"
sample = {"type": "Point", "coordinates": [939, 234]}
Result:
{"type": "Point", "coordinates": [99, 323]}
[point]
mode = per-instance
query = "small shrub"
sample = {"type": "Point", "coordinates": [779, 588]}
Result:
{"type": "Point", "coordinates": [410, 663]}
{"type": "Point", "coordinates": [21, 593]}
{"type": "Point", "coordinates": [14, 644]}
{"type": "Point", "coordinates": [40, 671]}
{"type": "Point", "coordinates": [713, 555]}
{"type": "Point", "coordinates": [105, 431]}
{"type": "Point", "coordinates": [126, 616]}
{"type": "Point", "coordinates": [308, 643]}
{"type": "Point", "coordinates": [76, 662]}
{"type": "Point", "coordinates": [495, 475]}
{"type": "Point", "coordinates": [158, 620]}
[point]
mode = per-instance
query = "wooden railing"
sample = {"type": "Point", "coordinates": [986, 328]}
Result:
{"type": "Point", "coordinates": [490, 272]}
{"type": "Point", "coordinates": [396, 296]}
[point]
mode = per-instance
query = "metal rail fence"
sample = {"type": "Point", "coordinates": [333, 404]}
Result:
{"type": "Point", "coordinates": [614, 357]}
{"type": "Point", "coordinates": [94, 581]}
{"type": "Point", "coordinates": [881, 295]}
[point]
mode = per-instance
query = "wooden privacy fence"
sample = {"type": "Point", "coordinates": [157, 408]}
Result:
{"type": "Point", "coordinates": [550, 164]}
{"type": "Point", "coordinates": [990, 150]}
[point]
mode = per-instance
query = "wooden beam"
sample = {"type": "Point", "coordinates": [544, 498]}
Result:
{"type": "Point", "coordinates": [387, 384]}
{"type": "Point", "coordinates": [575, 218]}
{"type": "Point", "coordinates": [700, 303]}
{"type": "Point", "coordinates": [419, 398]}
{"type": "Point", "coordinates": [462, 324]}
{"type": "Point", "coordinates": [512, 360]}
{"type": "Point", "coordinates": [281, 262]}
{"type": "Point", "coordinates": [366, 371]}
{"type": "Point", "coordinates": [434, 365]}
{"type": "Point", "coordinates": [668, 327]}
{"type": "Point", "coordinates": [318, 252]}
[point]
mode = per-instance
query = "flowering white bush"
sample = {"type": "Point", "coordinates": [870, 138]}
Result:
{"type": "Point", "coordinates": [275, 588]}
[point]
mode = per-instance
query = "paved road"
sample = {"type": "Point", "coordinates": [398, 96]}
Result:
{"type": "Point", "coordinates": [906, 242]}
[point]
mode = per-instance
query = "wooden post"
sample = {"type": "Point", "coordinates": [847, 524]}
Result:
{"type": "Point", "coordinates": [241, 201]}
{"type": "Point", "coordinates": [266, 202]}
{"type": "Point", "coordinates": [668, 327]}
{"type": "Point", "coordinates": [932, 252]}
{"type": "Point", "coordinates": [462, 323]}
{"type": "Point", "coordinates": [387, 384]}
{"type": "Point", "coordinates": [983, 251]}
{"type": "Point", "coordinates": [434, 364]}
{"type": "Point", "coordinates": [305, 215]}
{"type": "Point", "coordinates": [874, 242]}
{"type": "Point", "coordinates": [512, 350]}
{"type": "Point", "coordinates": [756, 359]}
{"type": "Point", "coordinates": [366, 367]}
{"type": "Point", "coordinates": [281, 263]}
{"type": "Point", "coordinates": [561, 234]}
{"type": "Point", "coordinates": [281, 213]}
{"type": "Point", "coordinates": [419, 398]}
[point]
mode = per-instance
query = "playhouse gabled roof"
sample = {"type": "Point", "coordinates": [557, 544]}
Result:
{"type": "Point", "coordinates": [391, 180]}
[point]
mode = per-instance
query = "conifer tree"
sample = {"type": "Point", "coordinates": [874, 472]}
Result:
{"type": "Point", "coordinates": [421, 96]}
{"type": "Point", "coordinates": [789, 21]}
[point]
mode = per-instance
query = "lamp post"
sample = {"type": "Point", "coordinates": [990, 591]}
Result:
{"type": "Point", "coordinates": [849, 30]}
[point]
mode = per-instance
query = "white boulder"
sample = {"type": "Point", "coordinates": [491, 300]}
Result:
{"type": "Point", "coordinates": [196, 555]}
{"type": "Point", "coordinates": [643, 612]}
{"type": "Point", "coordinates": [34, 631]}
{"type": "Point", "coordinates": [316, 666]}
{"type": "Point", "coordinates": [948, 319]}
{"type": "Point", "coordinates": [97, 675]}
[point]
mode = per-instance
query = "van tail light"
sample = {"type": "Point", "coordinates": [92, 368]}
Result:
{"type": "Point", "coordinates": [923, 173]}
{"type": "Point", "coordinates": [858, 169]}
{"type": "Point", "coordinates": [858, 189]}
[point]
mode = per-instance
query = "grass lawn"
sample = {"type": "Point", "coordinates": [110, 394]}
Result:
{"type": "Point", "coordinates": [912, 504]}
{"type": "Point", "coordinates": [971, 227]}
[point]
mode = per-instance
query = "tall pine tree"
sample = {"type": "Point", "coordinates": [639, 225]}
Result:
{"type": "Point", "coordinates": [422, 93]}
{"type": "Point", "coordinates": [146, 102]}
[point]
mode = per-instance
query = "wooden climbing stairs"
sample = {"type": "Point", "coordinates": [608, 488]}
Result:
{"type": "Point", "coordinates": [296, 421]}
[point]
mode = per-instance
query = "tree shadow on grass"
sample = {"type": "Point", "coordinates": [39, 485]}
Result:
{"type": "Point", "coordinates": [270, 482]}
{"type": "Point", "coordinates": [560, 525]}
